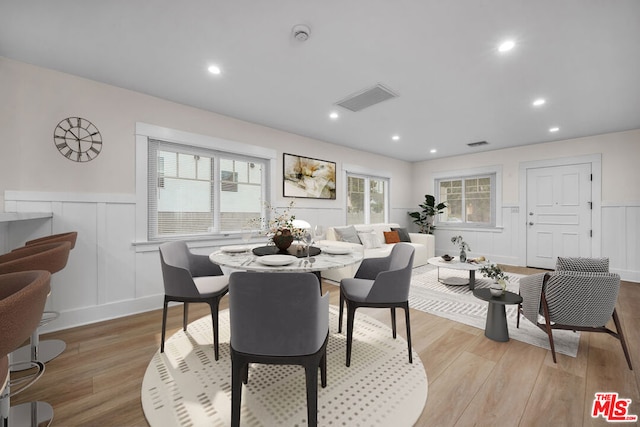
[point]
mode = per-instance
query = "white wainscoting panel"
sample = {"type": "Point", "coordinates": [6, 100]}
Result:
{"type": "Point", "coordinates": [621, 239]}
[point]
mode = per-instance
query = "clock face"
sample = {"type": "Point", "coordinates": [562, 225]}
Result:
{"type": "Point", "coordinates": [77, 139]}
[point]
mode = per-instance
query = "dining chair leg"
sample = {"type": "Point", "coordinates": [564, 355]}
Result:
{"type": "Point", "coordinates": [393, 322]}
{"type": "Point", "coordinates": [164, 324]}
{"type": "Point", "coordinates": [311, 377]}
{"type": "Point", "coordinates": [237, 368]}
{"type": "Point", "coordinates": [351, 312]}
{"type": "Point", "coordinates": [323, 369]}
{"type": "Point", "coordinates": [341, 312]}
{"type": "Point", "coordinates": [185, 315]}
{"type": "Point", "coordinates": [214, 322]}
{"type": "Point", "coordinates": [406, 318]}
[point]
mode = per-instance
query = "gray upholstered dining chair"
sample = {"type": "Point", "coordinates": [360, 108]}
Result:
{"type": "Point", "coordinates": [189, 277]}
{"type": "Point", "coordinates": [580, 295]}
{"type": "Point", "coordinates": [22, 298]}
{"type": "Point", "coordinates": [381, 283]}
{"type": "Point", "coordinates": [281, 319]}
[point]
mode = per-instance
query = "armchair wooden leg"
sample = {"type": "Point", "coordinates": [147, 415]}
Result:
{"type": "Point", "coordinates": [408, 322]}
{"type": "Point", "coordinates": [545, 309]}
{"type": "Point", "coordinates": [616, 320]}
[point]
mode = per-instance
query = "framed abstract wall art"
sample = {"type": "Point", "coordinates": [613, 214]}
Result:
{"type": "Point", "coordinates": [306, 177]}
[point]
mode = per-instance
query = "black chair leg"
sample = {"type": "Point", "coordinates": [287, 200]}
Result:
{"type": "Point", "coordinates": [323, 369]}
{"type": "Point", "coordinates": [238, 366]}
{"type": "Point", "coordinates": [311, 375]}
{"type": "Point", "coordinates": [351, 312]}
{"type": "Point", "coordinates": [164, 324]}
{"type": "Point", "coordinates": [341, 312]}
{"type": "Point", "coordinates": [214, 321]}
{"type": "Point", "coordinates": [393, 321]}
{"type": "Point", "coordinates": [406, 318]}
{"type": "Point", "coordinates": [185, 316]}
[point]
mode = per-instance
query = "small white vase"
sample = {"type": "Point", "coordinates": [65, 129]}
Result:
{"type": "Point", "coordinates": [496, 290]}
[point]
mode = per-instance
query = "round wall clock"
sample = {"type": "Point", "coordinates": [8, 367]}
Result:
{"type": "Point", "coordinates": [77, 139]}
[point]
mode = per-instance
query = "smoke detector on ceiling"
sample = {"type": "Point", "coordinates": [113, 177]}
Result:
{"type": "Point", "coordinates": [301, 32]}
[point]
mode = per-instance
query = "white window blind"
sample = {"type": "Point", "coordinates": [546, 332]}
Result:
{"type": "Point", "coordinates": [196, 191]}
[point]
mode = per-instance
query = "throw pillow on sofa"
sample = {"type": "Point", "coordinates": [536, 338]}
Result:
{"type": "Point", "coordinates": [369, 240]}
{"type": "Point", "coordinates": [347, 234]}
{"type": "Point", "coordinates": [402, 232]}
{"type": "Point", "coordinates": [391, 237]}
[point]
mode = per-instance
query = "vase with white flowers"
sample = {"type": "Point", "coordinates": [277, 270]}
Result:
{"type": "Point", "coordinates": [495, 273]}
{"type": "Point", "coordinates": [279, 226]}
{"type": "Point", "coordinates": [464, 247]}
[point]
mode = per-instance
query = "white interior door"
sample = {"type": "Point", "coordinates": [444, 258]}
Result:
{"type": "Point", "coordinates": [558, 213]}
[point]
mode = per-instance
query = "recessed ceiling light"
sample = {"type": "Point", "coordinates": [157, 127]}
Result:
{"type": "Point", "coordinates": [396, 137]}
{"type": "Point", "coordinates": [433, 150]}
{"type": "Point", "coordinates": [333, 115]}
{"type": "Point", "coordinates": [506, 46]}
{"type": "Point", "coordinates": [214, 69]}
{"type": "Point", "coordinates": [538, 102]}
{"type": "Point", "coordinates": [554, 129]}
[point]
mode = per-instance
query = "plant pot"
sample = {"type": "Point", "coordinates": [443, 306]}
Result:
{"type": "Point", "coordinates": [283, 239]}
{"type": "Point", "coordinates": [496, 290]}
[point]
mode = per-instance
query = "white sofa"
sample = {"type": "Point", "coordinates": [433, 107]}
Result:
{"type": "Point", "coordinates": [423, 243]}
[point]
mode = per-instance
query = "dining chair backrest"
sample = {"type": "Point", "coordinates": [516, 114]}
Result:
{"type": "Point", "coordinates": [180, 266]}
{"type": "Point", "coordinates": [393, 284]}
{"type": "Point", "coordinates": [51, 257]}
{"type": "Point", "coordinates": [277, 314]}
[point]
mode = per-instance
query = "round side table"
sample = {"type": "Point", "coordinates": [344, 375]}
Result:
{"type": "Point", "coordinates": [496, 327]}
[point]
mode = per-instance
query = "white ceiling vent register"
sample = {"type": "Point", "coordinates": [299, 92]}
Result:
{"type": "Point", "coordinates": [366, 98]}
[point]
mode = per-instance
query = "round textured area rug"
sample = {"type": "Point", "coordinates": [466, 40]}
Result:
{"type": "Point", "coordinates": [186, 386]}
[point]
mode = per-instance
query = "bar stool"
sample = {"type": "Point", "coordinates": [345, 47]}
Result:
{"type": "Point", "coordinates": [22, 299]}
{"type": "Point", "coordinates": [47, 350]}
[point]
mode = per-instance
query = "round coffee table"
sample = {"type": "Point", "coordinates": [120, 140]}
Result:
{"type": "Point", "coordinates": [496, 327]}
{"type": "Point", "coordinates": [455, 264]}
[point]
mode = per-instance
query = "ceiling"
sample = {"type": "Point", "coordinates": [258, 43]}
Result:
{"type": "Point", "coordinates": [439, 57]}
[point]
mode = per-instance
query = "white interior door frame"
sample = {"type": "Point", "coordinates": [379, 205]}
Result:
{"type": "Point", "coordinates": [596, 191]}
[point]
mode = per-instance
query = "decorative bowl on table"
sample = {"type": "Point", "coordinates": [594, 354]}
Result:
{"type": "Point", "coordinates": [446, 257]}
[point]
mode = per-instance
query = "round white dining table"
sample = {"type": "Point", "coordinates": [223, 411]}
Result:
{"type": "Point", "coordinates": [232, 257]}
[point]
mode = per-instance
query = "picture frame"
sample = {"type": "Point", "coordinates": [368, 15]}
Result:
{"type": "Point", "coordinates": [306, 177]}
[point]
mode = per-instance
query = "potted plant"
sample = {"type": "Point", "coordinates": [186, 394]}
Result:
{"type": "Point", "coordinates": [495, 273]}
{"type": "Point", "coordinates": [425, 217]}
{"type": "Point", "coordinates": [279, 226]}
{"type": "Point", "coordinates": [464, 247]}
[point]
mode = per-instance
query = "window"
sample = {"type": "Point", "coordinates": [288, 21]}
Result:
{"type": "Point", "coordinates": [470, 200]}
{"type": "Point", "coordinates": [198, 191]}
{"type": "Point", "coordinates": [367, 199]}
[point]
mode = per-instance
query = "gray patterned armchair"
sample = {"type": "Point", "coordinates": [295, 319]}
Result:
{"type": "Point", "coordinates": [580, 295]}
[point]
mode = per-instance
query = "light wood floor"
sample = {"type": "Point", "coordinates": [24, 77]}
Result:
{"type": "Point", "coordinates": [472, 380]}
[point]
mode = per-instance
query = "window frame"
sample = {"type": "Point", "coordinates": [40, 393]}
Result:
{"type": "Point", "coordinates": [495, 173]}
{"type": "Point", "coordinates": [218, 146]}
{"type": "Point", "coordinates": [367, 174]}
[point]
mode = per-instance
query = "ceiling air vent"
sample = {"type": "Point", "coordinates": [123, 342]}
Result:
{"type": "Point", "coordinates": [366, 98]}
{"type": "Point", "coordinates": [477, 144]}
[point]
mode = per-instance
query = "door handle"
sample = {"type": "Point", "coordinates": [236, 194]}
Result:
{"type": "Point", "coordinates": [530, 223]}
